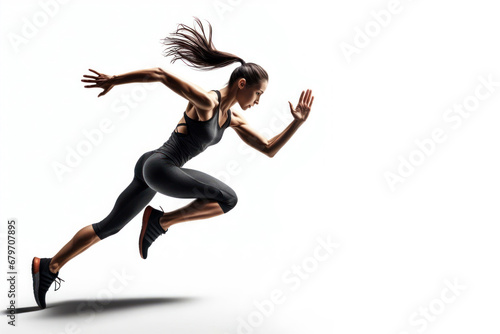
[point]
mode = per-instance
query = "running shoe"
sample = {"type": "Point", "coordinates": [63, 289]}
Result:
{"type": "Point", "coordinates": [151, 229]}
{"type": "Point", "coordinates": [42, 279]}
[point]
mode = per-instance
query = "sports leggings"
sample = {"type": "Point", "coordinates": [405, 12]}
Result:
{"type": "Point", "coordinates": [154, 172]}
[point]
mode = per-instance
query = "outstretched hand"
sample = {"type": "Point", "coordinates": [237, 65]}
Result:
{"type": "Point", "coordinates": [301, 111]}
{"type": "Point", "coordinates": [100, 81]}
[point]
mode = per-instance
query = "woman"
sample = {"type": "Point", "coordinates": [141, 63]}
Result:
{"type": "Point", "coordinates": [206, 117]}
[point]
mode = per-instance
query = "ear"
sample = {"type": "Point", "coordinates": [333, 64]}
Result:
{"type": "Point", "coordinates": [242, 83]}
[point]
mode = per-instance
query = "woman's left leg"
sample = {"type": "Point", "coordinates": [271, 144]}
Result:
{"type": "Point", "coordinates": [197, 209]}
{"type": "Point", "coordinates": [212, 197]}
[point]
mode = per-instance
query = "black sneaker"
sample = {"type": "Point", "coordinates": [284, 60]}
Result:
{"type": "Point", "coordinates": [151, 229]}
{"type": "Point", "coordinates": [42, 279]}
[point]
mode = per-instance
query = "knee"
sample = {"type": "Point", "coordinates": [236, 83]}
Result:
{"type": "Point", "coordinates": [103, 231]}
{"type": "Point", "coordinates": [230, 201]}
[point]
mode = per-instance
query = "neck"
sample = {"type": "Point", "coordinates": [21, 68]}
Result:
{"type": "Point", "coordinates": [228, 97]}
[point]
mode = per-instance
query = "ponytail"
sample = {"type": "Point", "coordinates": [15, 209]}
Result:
{"type": "Point", "coordinates": [197, 51]}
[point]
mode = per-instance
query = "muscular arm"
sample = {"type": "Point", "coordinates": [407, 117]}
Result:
{"type": "Point", "coordinates": [278, 141]}
{"type": "Point", "coordinates": [271, 146]}
{"type": "Point", "coordinates": [148, 75]}
{"type": "Point", "coordinates": [254, 139]}
{"type": "Point", "coordinates": [200, 98]}
{"type": "Point", "coordinates": [191, 92]}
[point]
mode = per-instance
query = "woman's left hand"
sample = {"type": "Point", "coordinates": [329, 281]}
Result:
{"type": "Point", "coordinates": [301, 111]}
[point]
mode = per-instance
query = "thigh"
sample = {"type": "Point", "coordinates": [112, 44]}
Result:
{"type": "Point", "coordinates": [181, 182]}
{"type": "Point", "coordinates": [209, 181]}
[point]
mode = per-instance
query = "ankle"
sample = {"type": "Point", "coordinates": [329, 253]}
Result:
{"type": "Point", "coordinates": [165, 223]}
{"type": "Point", "coordinates": [53, 267]}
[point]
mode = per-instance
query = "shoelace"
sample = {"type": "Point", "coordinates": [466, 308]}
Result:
{"type": "Point", "coordinates": [56, 282]}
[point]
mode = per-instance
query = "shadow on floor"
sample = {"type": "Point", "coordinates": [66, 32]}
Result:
{"type": "Point", "coordinates": [83, 307]}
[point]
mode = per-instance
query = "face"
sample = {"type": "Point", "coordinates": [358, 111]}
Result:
{"type": "Point", "coordinates": [248, 96]}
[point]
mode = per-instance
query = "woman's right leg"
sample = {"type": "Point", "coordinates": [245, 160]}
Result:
{"type": "Point", "coordinates": [82, 240]}
{"type": "Point", "coordinates": [130, 203]}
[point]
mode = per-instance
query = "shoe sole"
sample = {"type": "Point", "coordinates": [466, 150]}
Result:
{"type": "Point", "coordinates": [35, 272]}
{"type": "Point", "coordinates": [145, 219]}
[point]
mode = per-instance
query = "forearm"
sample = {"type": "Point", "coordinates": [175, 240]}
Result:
{"type": "Point", "coordinates": [148, 75]}
{"type": "Point", "coordinates": [278, 141]}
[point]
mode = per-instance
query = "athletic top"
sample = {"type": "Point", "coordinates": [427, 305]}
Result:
{"type": "Point", "coordinates": [181, 147]}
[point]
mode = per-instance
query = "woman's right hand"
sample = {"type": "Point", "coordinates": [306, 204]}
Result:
{"type": "Point", "coordinates": [100, 81]}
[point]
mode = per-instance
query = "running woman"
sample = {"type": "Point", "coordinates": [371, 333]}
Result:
{"type": "Point", "coordinates": [207, 116]}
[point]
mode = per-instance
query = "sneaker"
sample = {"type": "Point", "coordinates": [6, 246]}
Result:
{"type": "Point", "coordinates": [151, 229]}
{"type": "Point", "coordinates": [42, 279]}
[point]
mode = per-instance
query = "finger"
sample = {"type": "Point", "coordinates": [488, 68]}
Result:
{"type": "Point", "coordinates": [308, 95]}
{"type": "Point", "coordinates": [104, 91]}
{"type": "Point", "coordinates": [91, 70]}
{"type": "Point", "coordinates": [92, 80]}
{"type": "Point", "coordinates": [291, 106]}
{"type": "Point", "coordinates": [90, 86]}
{"type": "Point", "coordinates": [301, 97]}
{"type": "Point", "coordinates": [95, 80]}
{"type": "Point", "coordinates": [310, 103]}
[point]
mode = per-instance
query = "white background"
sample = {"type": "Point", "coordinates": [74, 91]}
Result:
{"type": "Point", "coordinates": [397, 248]}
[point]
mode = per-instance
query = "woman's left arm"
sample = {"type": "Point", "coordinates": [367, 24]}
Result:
{"type": "Point", "coordinates": [271, 146]}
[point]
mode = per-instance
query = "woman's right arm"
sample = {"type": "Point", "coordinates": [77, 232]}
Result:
{"type": "Point", "coordinates": [191, 92]}
{"type": "Point", "coordinates": [196, 95]}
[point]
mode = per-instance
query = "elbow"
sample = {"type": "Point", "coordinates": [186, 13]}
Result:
{"type": "Point", "coordinates": [267, 151]}
{"type": "Point", "coordinates": [158, 74]}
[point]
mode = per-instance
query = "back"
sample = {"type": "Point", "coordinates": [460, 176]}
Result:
{"type": "Point", "coordinates": [181, 147]}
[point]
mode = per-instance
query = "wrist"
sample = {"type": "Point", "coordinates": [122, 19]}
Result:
{"type": "Point", "coordinates": [298, 121]}
{"type": "Point", "coordinates": [114, 80]}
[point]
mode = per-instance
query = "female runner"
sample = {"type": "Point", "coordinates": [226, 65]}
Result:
{"type": "Point", "coordinates": [206, 117]}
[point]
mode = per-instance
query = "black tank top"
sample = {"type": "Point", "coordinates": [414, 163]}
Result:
{"type": "Point", "coordinates": [181, 147]}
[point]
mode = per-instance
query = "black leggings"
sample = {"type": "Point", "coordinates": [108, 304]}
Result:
{"type": "Point", "coordinates": [155, 172]}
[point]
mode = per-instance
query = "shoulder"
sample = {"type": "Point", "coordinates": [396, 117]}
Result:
{"type": "Point", "coordinates": [237, 119]}
{"type": "Point", "coordinates": [211, 101]}
{"type": "Point", "coordinates": [214, 99]}
{"type": "Point", "coordinates": [206, 112]}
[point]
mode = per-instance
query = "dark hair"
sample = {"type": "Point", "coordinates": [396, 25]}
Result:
{"type": "Point", "coordinates": [198, 51]}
